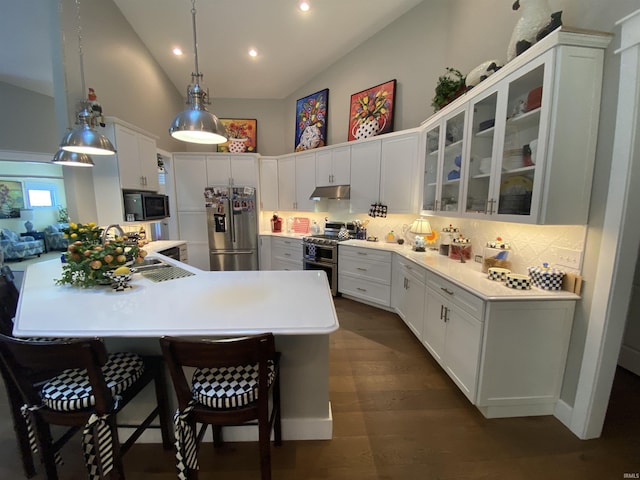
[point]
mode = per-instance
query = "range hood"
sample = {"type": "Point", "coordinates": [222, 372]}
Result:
{"type": "Point", "coordinates": [339, 192]}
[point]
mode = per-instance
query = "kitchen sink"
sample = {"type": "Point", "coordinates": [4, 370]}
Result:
{"type": "Point", "coordinates": [150, 264]}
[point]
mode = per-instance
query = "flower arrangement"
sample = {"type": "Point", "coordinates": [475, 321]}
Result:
{"type": "Point", "coordinates": [87, 260]}
{"type": "Point", "coordinates": [371, 106]}
{"type": "Point", "coordinates": [238, 130]}
{"type": "Point", "coordinates": [313, 113]}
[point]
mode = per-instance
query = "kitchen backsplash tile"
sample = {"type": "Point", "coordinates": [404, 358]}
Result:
{"type": "Point", "coordinates": [531, 245]}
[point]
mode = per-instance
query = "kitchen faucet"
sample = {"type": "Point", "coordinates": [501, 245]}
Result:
{"type": "Point", "coordinates": [119, 232]}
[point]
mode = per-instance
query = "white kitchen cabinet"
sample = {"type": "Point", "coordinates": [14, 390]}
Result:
{"type": "Point", "coordinates": [453, 332]}
{"type": "Point", "coordinates": [240, 170]}
{"type": "Point", "coordinates": [523, 159]}
{"type": "Point", "coordinates": [190, 176]}
{"type": "Point", "coordinates": [384, 169]}
{"type": "Point", "coordinates": [333, 166]}
{"type": "Point", "coordinates": [296, 182]}
{"type": "Point", "coordinates": [365, 175]}
{"type": "Point", "coordinates": [136, 153]}
{"type": "Point", "coordinates": [523, 357]}
{"type": "Point", "coordinates": [286, 253]}
{"type": "Point", "coordinates": [365, 274]}
{"type": "Point", "coordinates": [305, 181]}
{"type": "Point", "coordinates": [264, 252]}
{"type": "Point", "coordinates": [287, 182]}
{"type": "Point", "coordinates": [193, 230]}
{"type": "Point", "coordinates": [399, 167]}
{"type": "Point", "coordinates": [268, 183]}
{"type": "Point", "coordinates": [408, 293]}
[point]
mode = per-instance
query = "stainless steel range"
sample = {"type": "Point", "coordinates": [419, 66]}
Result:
{"type": "Point", "coordinates": [320, 252]}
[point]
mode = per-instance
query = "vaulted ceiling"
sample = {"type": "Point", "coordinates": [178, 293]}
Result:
{"type": "Point", "coordinates": [292, 45]}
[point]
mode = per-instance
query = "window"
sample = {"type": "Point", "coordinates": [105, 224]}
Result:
{"type": "Point", "coordinates": [41, 195]}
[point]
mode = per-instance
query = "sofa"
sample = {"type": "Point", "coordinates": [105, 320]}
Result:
{"type": "Point", "coordinates": [15, 247]}
{"type": "Point", "coordinates": [54, 236]}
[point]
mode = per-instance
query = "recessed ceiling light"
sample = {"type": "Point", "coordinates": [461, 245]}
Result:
{"type": "Point", "coordinates": [177, 51]}
{"type": "Point", "coordinates": [253, 52]}
{"type": "Point", "coordinates": [304, 6]}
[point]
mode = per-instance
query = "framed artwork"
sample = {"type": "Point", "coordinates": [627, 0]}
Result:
{"type": "Point", "coordinates": [371, 111]}
{"type": "Point", "coordinates": [243, 135]}
{"type": "Point", "coordinates": [312, 113]}
{"type": "Point", "coordinates": [11, 199]}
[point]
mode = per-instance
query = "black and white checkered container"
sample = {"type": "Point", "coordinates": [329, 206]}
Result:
{"type": "Point", "coordinates": [518, 282]}
{"type": "Point", "coordinates": [546, 278]}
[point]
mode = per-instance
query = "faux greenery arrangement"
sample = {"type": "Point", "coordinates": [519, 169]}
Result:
{"type": "Point", "coordinates": [88, 260]}
{"type": "Point", "coordinates": [450, 86]}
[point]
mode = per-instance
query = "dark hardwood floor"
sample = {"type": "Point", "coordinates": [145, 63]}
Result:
{"type": "Point", "coordinates": [398, 416]}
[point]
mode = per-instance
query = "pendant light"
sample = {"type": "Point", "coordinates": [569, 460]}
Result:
{"type": "Point", "coordinates": [196, 124]}
{"type": "Point", "coordinates": [72, 159]}
{"type": "Point", "coordinates": [83, 138]}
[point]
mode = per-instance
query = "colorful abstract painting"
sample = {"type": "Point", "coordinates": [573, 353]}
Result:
{"type": "Point", "coordinates": [243, 135]}
{"type": "Point", "coordinates": [11, 199]}
{"type": "Point", "coordinates": [312, 113]}
{"type": "Point", "coordinates": [371, 111]}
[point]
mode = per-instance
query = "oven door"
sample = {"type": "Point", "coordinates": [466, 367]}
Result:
{"type": "Point", "coordinates": [329, 268]}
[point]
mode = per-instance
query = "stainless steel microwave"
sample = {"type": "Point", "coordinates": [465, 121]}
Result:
{"type": "Point", "coordinates": [145, 206]}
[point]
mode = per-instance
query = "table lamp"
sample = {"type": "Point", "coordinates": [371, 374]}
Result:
{"type": "Point", "coordinates": [420, 227]}
{"type": "Point", "coordinates": [28, 216]}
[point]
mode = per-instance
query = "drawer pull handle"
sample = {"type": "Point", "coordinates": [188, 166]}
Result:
{"type": "Point", "coordinates": [287, 254]}
{"type": "Point", "coordinates": [362, 289]}
{"type": "Point", "coordinates": [441, 312]}
{"type": "Point", "coordinates": [448, 292]}
{"type": "Point", "coordinates": [362, 253]}
{"type": "Point", "coordinates": [362, 269]}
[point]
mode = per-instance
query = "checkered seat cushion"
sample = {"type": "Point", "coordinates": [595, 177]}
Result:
{"type": "Point", "coordinates": [228, 387]}
{"type": "Point", "coordinates": [71, 389]}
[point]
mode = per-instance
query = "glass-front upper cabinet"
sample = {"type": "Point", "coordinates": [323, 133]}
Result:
{"type": "Point", "coordinates": [430, 187]}
{"type": "Point", "coordinates": [519, 172]}
{"type": "Point", "coordinates": [483, 146]}
{"type": "Point", "coordinates": [452, 167]}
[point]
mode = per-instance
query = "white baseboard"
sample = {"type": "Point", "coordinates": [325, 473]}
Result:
{"type": "Point", "coordinates": [292, 429]}
{"type": "Point", "coordinates": [563, 412]}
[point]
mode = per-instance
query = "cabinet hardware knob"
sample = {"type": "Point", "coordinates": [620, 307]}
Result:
{"type": "Point", "coordinates": [287, 254]}
{"type": "Point", "coordinates": [361, 253]}
{"type": "Point", "coordinates": [448, 292]}
{"type": "Point", "coordinates": [446, 314]}
{"type": "Point", "coordinates": [362, 269]}
{"type": "Point", "coordinates": [362, 289]}
{"type": "Point", "coordinates": [441, 312]}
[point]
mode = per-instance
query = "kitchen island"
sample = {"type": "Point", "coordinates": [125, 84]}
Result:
{"type": "Point", "coordinates": [296, 306]}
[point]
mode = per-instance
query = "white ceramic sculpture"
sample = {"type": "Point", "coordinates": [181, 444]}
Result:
{"type": "Point", "coordinates": [536, 14]}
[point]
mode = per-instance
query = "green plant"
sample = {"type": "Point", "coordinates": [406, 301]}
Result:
{"type": "Point", "coordinates": [87, 259]}
{"type": "Point", "coordinates": [450, 86]}
{"type": "Point", "coordinates": [63, 214]}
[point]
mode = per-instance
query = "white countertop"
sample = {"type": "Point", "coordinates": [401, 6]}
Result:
{"type": "Point", "coordinates": [158, 245]}
{"type": "Point", "coordinates": [466, 275]}
{"type": "Point", "coordinates": [205, 304]}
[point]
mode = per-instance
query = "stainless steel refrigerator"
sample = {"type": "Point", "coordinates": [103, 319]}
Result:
{"type": "Point", "coordinates": [233, 228]}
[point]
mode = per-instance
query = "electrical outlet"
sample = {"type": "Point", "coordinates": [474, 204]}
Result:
{"type": "Point", "coordinates": [478, 258]}
{"type": "Point", "coordinates": [569, 258]}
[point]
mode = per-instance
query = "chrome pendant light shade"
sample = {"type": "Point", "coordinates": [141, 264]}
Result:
{"type": "Point", "coordinates": [84, 139]}
{"type": "Point", "coordinates": [196, 124]}
{"type": "Point", "coordinates": [72, 159]}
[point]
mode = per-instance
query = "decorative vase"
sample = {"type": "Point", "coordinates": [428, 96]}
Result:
{"type": "Point", "coordinates": [368, 128]}
{"type": "Point", "coordinates": [237, 145]}
{"type": "Point", "coordinates": [310, 138]}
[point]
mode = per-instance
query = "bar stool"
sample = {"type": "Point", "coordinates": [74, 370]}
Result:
{"type": "Point", "coordinates": [230, 386]}
{"type": "Point", "coordinates": [78, 385]}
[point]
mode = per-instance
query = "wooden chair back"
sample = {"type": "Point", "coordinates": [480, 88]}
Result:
{"type": "Point", "coordinates": [31, 362]}
{"type": "Point", "coordinates": [9, 296]}
{"type": "Point", "coordinates": [179, 353]}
